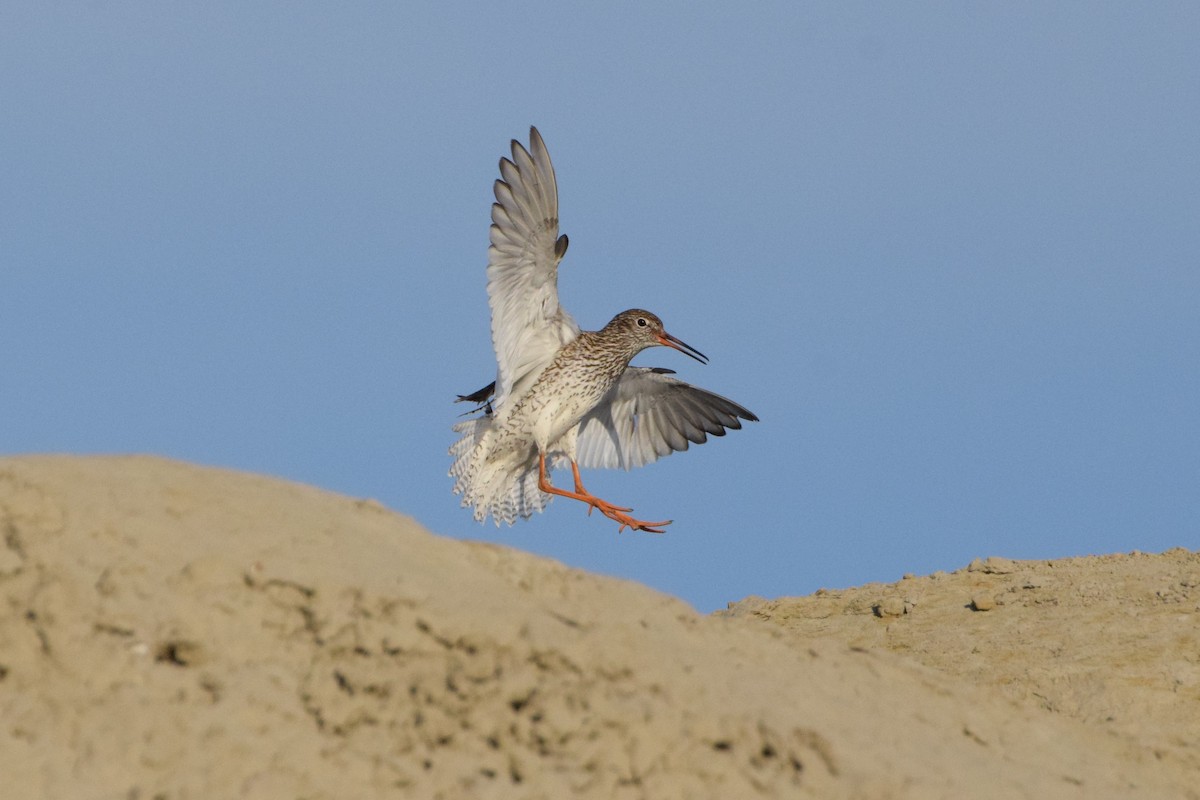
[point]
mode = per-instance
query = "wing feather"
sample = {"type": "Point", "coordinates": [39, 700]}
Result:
{"type": "Point", "coordinates": [648, 415]}
{"type": "Point", "coordinates": [528, 325]}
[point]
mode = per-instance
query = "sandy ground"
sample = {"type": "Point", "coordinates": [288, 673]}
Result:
{"type": "Point", "coordinates": [1113, 641]}
{"type": "Point", "coordinates": [170, 631]}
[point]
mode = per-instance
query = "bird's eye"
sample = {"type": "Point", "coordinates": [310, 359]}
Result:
{"type": "Point", "coordinates": [642, 322]}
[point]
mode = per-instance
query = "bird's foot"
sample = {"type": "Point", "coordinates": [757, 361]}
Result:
{"type": "Point", "coordinates": [617, 513]}
{"type": "Point", "coordinates": [610, 510]}
{"type": "Point", "coordinates": [636, 524]}
{"type": "Point", "coordinates": [606, 508]}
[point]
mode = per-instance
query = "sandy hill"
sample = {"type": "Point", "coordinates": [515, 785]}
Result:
{"type": "Point", "coordinates": [172, 632]}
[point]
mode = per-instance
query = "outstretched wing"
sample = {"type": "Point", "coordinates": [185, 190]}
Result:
{"type": "Point", "coordinates": [649, 414]}
{"type": "Point", "coordinates": [528, 325]}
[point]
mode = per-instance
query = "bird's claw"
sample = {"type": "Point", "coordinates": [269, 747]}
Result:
{"type": "Point", "coordinates": [618, 514]}
{"type": "Point", "coordinates": [639, 525]}
{"type": "Point", "coordinates": [606, 508]}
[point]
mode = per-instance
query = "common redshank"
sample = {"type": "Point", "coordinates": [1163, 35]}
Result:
{"type": "Point", "coordinates": [565, 397]}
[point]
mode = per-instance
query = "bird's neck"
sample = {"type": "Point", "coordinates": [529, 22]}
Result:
{"type": "Point", "coordinates": [609, 356]}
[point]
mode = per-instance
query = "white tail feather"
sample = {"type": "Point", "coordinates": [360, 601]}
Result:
{"type": "Point", "coordinates": [499, 481]}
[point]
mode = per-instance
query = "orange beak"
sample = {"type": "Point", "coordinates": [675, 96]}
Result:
{"type": "Point", "coordinates": [667, 340]}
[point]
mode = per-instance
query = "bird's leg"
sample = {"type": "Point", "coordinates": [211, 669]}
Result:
{"type": "Point", "coordinates": [615, 513]}
{"type": "Point", "coordinates": [593, 502]}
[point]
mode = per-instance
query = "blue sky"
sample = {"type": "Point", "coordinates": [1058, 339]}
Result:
{"type": "Point", "coordinates": [949, 254]}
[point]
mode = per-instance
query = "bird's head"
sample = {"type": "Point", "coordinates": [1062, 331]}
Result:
{"type": "Point", "coordinates": [640, 329]}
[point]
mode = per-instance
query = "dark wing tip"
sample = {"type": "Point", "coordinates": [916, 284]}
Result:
{"type": "Point", "coordinates": [517, 146]}
{"type": "Point", "coordinates": [478, 396]}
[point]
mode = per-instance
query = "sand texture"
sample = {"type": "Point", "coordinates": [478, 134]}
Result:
{"type": "Point", "coordinates": [173, 632]}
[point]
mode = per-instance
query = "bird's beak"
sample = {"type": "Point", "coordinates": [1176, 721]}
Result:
{"type": "Point", "coordinates": [667, 340]}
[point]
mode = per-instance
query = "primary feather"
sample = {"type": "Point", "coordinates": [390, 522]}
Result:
{"type": "Point", "coordinates": [528, 324]}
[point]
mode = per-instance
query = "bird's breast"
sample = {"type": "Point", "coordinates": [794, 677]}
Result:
{"type": "Point", "coordinates": [563, 394]}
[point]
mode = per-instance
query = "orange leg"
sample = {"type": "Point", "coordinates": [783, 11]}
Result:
{"type": "Point", "coordinates": [595, 502]}
{"type": "Point", "coordinates": [613, 512]}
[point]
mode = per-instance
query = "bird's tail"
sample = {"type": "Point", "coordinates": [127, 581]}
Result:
{"type": "Point", "coordinates": [492, 478]}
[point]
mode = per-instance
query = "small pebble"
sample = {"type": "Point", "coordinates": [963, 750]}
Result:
{"type": "Point", "coordinates": [891, 607]}
{"type": "Point", "coordinates": [983, 602]}
{"type": "Point", "coordinates": [994, 565]}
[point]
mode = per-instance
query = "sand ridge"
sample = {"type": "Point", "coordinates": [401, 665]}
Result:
{"type": "Point", "coordinates": [1110, 640]}
{"type": "Point", "coordinates": [174, 631]}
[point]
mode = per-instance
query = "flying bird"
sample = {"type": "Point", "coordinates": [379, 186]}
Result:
{"type": "Point", "coordinates": [562, 396]}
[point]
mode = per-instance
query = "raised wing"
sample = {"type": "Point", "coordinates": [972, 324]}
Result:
{"type": "Point", "coordinates": [649, 414]}
{"type": "Point", "coordinates": [528, 325]}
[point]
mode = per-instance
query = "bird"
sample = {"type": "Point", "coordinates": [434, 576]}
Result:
{"type": "Point", "coordinates": [564, 397]}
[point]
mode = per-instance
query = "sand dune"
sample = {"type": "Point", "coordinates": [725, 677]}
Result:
{"type": "Point", "coordinates": [171, 631]}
